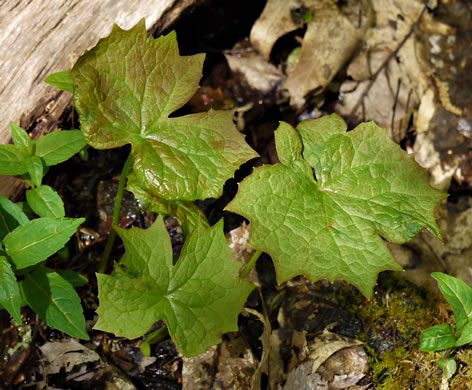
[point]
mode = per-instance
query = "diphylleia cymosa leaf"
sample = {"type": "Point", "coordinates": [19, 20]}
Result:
{"type": "Point", "coordinates": [323, 214]}
{"type": "Point", "coordinates": [199, 298]}
{"type": "Point", "coordinates": [126, 87]}
{"type": "Point", "coordinates": [187, 213]}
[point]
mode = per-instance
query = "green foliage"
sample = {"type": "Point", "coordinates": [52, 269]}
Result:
{"type": "Point", "coordinates": [24, 243]}
{"type": "Point", "coordinates": [444, 337]}
{"type": "Point", "coordinates": [36, 240]}
{"type": "Point", "coordinates": [437, 338]}
{"type": "Point", "coordinates": [329, 226]}
{"type": "Point", "coordinates": [449, 367]}
{"type": "Point", "coordinates": [200, 297]}
{"type": "Point", "coordinates": [126, 87]}
{"type": "Point", "coordinates": [61, 80]}
{"type": "Point", "coordinates": [55, 300]}
{"type": "Point", "coordinates": [10, 297]}
{"type": "Point", "coordinates": [45, 202]}
{"type": "Point", "coordinates": [125, 90]}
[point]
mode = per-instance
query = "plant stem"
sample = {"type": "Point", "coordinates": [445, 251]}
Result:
{"type": "Point", "coordinates": [158, 335]}
{"type": "Point", "coordinates": [250, 264]}
{"type": "Point", "coordinates": [116, 215]}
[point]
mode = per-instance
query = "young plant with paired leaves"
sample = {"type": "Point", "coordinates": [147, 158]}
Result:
{"type": "Point", "coordinates": [321, 212]}
{"type": "Point", "coordinates": [444, 337]}
{"type": "Point", "coordinates": [25, 243]}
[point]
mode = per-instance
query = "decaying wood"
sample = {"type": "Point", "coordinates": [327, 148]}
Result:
{"type": "Point", "coordinates": [40, 37]}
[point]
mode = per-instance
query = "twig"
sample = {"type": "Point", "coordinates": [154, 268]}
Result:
{"type": "Point", "coordinates": [394, 109]}
{"type": "Point", "coordinates": [387, 60]}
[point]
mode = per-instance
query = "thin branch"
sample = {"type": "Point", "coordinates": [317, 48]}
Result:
{"type": "Point", "coordinates": [394, 109]}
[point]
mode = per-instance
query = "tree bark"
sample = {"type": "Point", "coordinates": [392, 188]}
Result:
{"type": "Point", "coordinates": [40, 37]}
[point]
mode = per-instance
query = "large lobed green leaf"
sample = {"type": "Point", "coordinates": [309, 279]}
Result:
{"type": "Point", "coordinates": [331, 227]}
{"type": "Point", "coordinates": [187, 213]}
{"type": "Point", "coordinates": [200, 297]}
{"type": "Point", "coordinates": [126, 87]}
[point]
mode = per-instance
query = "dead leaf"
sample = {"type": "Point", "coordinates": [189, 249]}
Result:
{"type": "Point", "coordinates": [229, 365]}
{"type": "Point", "coordinates": [395, 93]}
{"type": "Point", "coordinates": [263, 366]}
{"type": "Point", "coordinates": [258, 74]}
{"type": "Point", "coordinates": [238, 240]}
{"type": "Point", "coordinates": [67, 354]}
{"type": "Point", "coordinates": [332, 36]}
{"type": "Point", "coordinates": [333, 362]}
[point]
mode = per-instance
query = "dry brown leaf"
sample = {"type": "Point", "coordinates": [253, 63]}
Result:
{"type": "Point", "coordinates": [66, 355]}
{"type": "Point", "coordinates": [331, 37]}
{"type": "Point", "coordinates": [263, 366]}
{"type": "Point", "coordinates": [229, 365]}
{"type": "Point", "coordinates": [259, 74]}
{"type": "Point", "coordinates": [274, 22]}
{"type": "Point", "coordinates": [333, 361]}
{"type": "Point", "coordinates": [397, 90]}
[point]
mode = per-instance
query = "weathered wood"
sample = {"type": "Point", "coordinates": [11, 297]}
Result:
{"type": "Point", "coordinates": [39, 37]}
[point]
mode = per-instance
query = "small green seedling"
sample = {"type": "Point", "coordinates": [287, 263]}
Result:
{"type": "Point", "coordinates": [25, 243]}
{"type": "Point", "coordinates": [321, 212]}
{"type": "Point", "coordinates": [444, 337]}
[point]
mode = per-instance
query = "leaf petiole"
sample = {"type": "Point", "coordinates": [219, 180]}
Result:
{"type": "Point", "coordinates": [116, 215]}
{"type": "Point", "coordinates": [251, 263]}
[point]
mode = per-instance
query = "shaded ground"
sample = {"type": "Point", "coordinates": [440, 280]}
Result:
{"type": "Point", "coordinates": [413, 82]}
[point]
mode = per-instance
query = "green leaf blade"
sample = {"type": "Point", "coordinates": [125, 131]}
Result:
{"type": "Point", "coordinates": [187, 213]}
{"type": "Point", "coordinates": [449, 367]}
{"type": "Point", "coordinates": [35, 169]}
{"type": "Point", "coordinates": [56, 301]}
{"type": "Point", "coordinates": [21, 138]}
{"type": "Point", "coordinates": [36, 240]}
{"type": "Point", "coordinates": [466, 335]}
{"type": "Point", "coordinates": [331, 227]}
{"type": "Point", "coordinates": [398, 196]}
{"type": "Point", "coordinates": [11, 216]}
{"type": "Point", "coordinates": [10, 296]}
{"type": "Point", "coordinates": [45, 202]}
{"type": "Point", "coordinates": [437, 338]}
{"type": "Point", "coordinates": [200, 297]}
{"type": "Point", "coordinates": [126, 88]}
{"type": "Point", "coordinates": [74, 278]}
{"type": "Point", "coordinates": [12, 160]}
{"type": "Point", "coordinates": [459, 295]}
{"type": "Point", "coordinates": [61, 80]}
{"type": "Point", "coordinates": [59, 146]}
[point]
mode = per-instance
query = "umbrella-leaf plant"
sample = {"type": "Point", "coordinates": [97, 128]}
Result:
{"type": "Point", "coordinates": [322, 212]}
